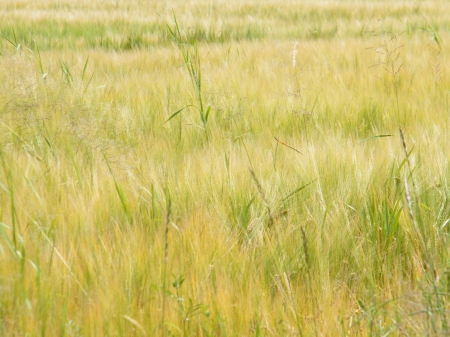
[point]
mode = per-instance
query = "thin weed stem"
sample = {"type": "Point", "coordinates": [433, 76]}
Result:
{"type": "Point", "coordinates": [263, 197]}
{"type": "Point", "coordinates": [166, 258]}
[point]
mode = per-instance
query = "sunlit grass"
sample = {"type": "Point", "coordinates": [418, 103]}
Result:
{"type": "Point", "coordinates": [289, 207]}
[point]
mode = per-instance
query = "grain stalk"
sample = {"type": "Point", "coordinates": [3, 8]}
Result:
{"type": "Point", "coordinates": [191, 59]}
{"type": "Point", "coordinates": [416, 218]}
{"type": "Point", "coordinates": [389, 50]}
{"type": "Point", "coordinates": [263, 197]}
{"type": "Point", "coordinates": [166, 258]}
{"type": "Point", "coordinates": [11, 192]}
{"type": "Point", "coordinates": [436, 50]}
{"type": "Point", "coordinates": [308, 265]}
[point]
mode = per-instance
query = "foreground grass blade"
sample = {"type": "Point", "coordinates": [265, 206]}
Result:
{"type": "Point", "coordinates": [174, 114]}
{"type": "Point", "coordinates": [120, 192]}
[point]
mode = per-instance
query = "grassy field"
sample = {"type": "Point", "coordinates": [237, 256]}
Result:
{"type": "Point", "coordinates": [254, 168]}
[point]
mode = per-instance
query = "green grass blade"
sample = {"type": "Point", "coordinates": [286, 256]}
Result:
{"type": "Point", "coordinates": [174, 114]}
{"type": "Point", "coordinates": [8, 241]}
{"type": "Point", "coordinates": [120, 192]}
{"type": "Point", "coordinates": [207, 113]}
{"type": "Point", "coordinates": [84, 68]}
{"type": "Point", "coordinates": [375, 137]}
{"type": "Point", "coordinates": [290, 195]}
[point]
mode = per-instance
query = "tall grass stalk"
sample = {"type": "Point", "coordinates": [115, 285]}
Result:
{"type": "Point", "coordinates": [86, 240]}
{"type": "Point", "coordinates": [166, 261]}
{"type": "Point", "coordinates": [263, 197]}
{"type": "Point", "coordinates": [191, 59]}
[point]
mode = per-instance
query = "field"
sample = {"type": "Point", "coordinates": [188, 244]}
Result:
{"type": "Point", "coordinates": [224, 168]}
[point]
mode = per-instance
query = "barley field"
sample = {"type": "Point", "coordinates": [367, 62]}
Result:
{"type": "Point", "coordinates": [224, 168]}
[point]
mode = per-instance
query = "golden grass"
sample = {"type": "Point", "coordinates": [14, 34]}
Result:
{"type": "Point", "coordinates": [88, 166]}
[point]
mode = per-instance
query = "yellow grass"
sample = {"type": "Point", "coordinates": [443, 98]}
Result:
{"type": "Point", "coordinates": [336, 232]}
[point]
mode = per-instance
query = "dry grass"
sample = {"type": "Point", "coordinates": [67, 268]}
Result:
{"type": "Point", "coordinates": [115, 223]}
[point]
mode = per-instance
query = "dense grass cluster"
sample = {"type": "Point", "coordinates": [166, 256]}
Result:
{"type": "Point", "coordinates": [224, 168]}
